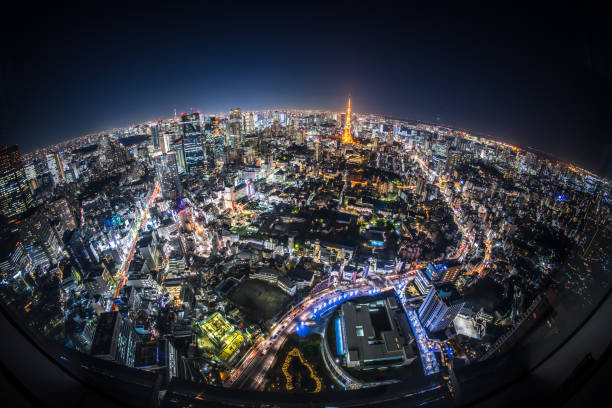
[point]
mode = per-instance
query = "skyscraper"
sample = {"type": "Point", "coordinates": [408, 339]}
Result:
{"type": "Point", "coordinates": [167, 169]}
{"type": "Point", "coordinates": [249, 123]}
{"type": "Point", "coordinates": [115, 339]}
{"type": "Point", "coordinates": [211, 163]}
{"type": "Point", "coordinates": [440, 307]}
{"type": "Point", "coordinates": [15, 195]}
{"type": "Point", "coordinates": [193, 148]}
{"type": "Point", "coordinates": [180, 157]}
{"type": "Point", "coordinates": [235, 121]}
{"type": "Point", "coordinates": [163, 142]}
{"type": "Point", "coordinates": [39, 240]}
{"type": "Point", "coordinates": [13, 257]}
{"type": "Point", "coordinates": [155, 135]}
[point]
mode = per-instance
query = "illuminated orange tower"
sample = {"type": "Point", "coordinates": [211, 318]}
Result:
{"type": "Point", "coordinates": [216, 124]}
{"type": "Point", "coordinates": [347, 138]}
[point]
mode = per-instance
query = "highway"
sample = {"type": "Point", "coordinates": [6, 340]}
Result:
{"type": "Point", "coordinates": [252, 369]}
{"type": "Point", "coordinates": [126, 264]}
{"type": "Point", "coordinates": [262, 356]}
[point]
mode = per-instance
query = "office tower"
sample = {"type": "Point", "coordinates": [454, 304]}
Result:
{"type": "Point", "coordinates": [168, 172]}
{"type": "Point", "coordinates": [14, 260]}
{"type": "Point", "coordinates": [163, 142]}
{"type": "Point", "coordinates": [211, 163]}
{"type": "Point", "coordinates": [422, 282]}
{"type": "Point", "coordinates": [39, 240]}
{"type": "Point", "coordinates": [190, 125]}
{"type": "Point", "coordinates": [235, 120]}
{"type": "Point", "coordinates": [155, 135]}
{"type": "Point", "coordinates": [15, 195]}
{"type": "Point", "coordinates": [249, 123]}
{"type": "Point", "coordinates": [317, 147]}
{"type": "Point", "coordinates": [193, 154]}
{"type": "Point", "coordinates": [115, 339]}
{"type": "Point", "coordinates": [177, 148]}
{"type": "Point", "coordinates": [192, 146]}
{"type": "Point", "coordinates": [440, 307]}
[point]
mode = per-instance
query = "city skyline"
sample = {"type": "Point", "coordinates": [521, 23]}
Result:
{"type": "Point", "coordinates": [240, 250]}
{"type": "Point", "coordinates": [347, 125]}
{"type": "Point", "coordinates": [534, 87]}
{"type": "Point", "coordinates": [305, 204]}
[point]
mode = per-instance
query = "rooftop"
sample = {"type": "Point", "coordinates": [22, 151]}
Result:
{"type": "Point", "coordinates": [371, 333]}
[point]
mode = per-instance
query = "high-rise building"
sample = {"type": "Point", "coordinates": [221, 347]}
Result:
{"type": "Point", "coordinates": [115, 339]}
{"type": "Point", "coordinates": [317, 147]}
{"type": "Point", "coordinates": [235, 121]}
{"type": "Point", "coordinates": [168, 172]}
{"type": "Point", "coordinates": [441, 306]}
{"type": "Point", "coordinates": [180, 158]}
{"type": "Point", "coordinates": [163, 142]}
{"type": "Point", "coordinates": [211, 163]}
{"type": "Point", "coordinates": [15, 195]}
{"type": "Point", "coordinates": [190, 125]}
{"type": "Point", "coordinates": [193, 152]}
{"type": "Point", "coordinates": [155, 135]}
{"type": "Point", "coordinates": [39, 240]}
{"type": "Point", "coordinates": [249, 123]}
{"type": "Point", "coordinates": [14, 259]}
{"type": "Point", "coordinates": [193, 148]}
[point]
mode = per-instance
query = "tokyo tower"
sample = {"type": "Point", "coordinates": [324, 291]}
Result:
{"type": "Point", "coordinates": [347, 138]}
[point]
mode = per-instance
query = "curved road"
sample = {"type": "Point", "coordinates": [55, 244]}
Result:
{"type": "Point", "coordinates": [255, 364]}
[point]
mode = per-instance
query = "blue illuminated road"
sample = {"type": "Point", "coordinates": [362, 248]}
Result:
{"type": "Point", "coordinates": [253, 367]}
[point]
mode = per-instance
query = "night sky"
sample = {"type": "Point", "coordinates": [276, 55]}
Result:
{"type": "Point", "coordinates": [538, 78]}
